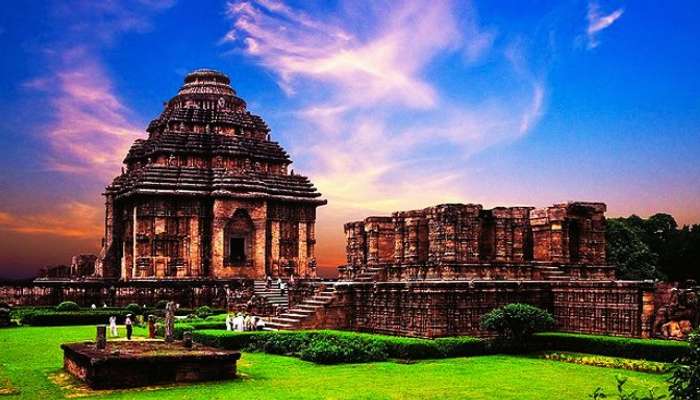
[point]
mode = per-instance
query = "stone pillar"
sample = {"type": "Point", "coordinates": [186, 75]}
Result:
{"type": "Point", "coordinates": [372, 234]}
{"type": "Point", "coordinates": [274, 247]}
{"type": "Point", "coordinates": [170, 321]}
{"type": "Point", "coordinates": [187, 339]}
{"type": "Point", "coordinates": [195, 260]}
{"type": "Point", "coordinates": [134, 233]}
{"type": "Point", "coordinates": [303, 252]}
{"type": "Point", "coordinates": [101, 339]}
{"type": "Point", "coordinates": [259, 249]}
{"type": "Point", "coordinates": [411, 249]}
{"type": "Point", "coordinates": [399, 238]}
{"type": "Point", "coordinates": [647, 314]}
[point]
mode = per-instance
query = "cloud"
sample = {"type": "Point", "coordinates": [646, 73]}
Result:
{"type": "Point", "coordinates": [73, 220]}
{"type": "Point", "coordinates": [90, 129]}
{"type": "Point", "coordinates": [364, 72]}
{"type": "Point", "coordinates": [387, 138]}
{"type": "Point", "coordinates": [597, 22]}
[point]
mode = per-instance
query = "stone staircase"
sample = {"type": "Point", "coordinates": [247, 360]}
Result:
{"type": "Point", "coordinates": [274, 295]}
{"type": "Point", "coordinates": [304, 312]}
{"type": "Point", "coordinates": [552, 273]}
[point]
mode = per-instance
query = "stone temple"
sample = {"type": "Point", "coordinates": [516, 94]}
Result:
{"type": "Point", "coordinates": [206, 207]}
{"type": "Point", "coordinates": [208, 195]}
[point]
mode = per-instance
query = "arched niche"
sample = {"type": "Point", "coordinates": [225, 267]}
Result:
{"type": "Point", "coordinates": [239, 236]}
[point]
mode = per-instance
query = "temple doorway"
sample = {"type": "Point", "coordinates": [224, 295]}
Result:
{"type": "Point", "coordinates": [238, 239]}
{"type": "Point", "coordinates": [237, 246]}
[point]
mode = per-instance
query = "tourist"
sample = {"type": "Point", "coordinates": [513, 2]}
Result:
{"type": "Point", "coordinates": [113, 326]}
{"type": "Point", "coordinates": [291, 280]}
{"type": "Point", "coordinates": [250, 323]}
{"type": "Point", "coordinates": [259, 323]}
{"type": "Point", "coordinates": [93, 306]}
{"type": "Point", "coordinates": [283, 288]}
{"type": "Point", "coordinates": [229, 322]}
{"type": "Point", "coordinates": [104, 305]}
{"type": "Point", "coordinates": [129, 326]}
{"type": "Point", "coordinates": [268, 282]}
{"type": "Point", "coordinates": [279, 282]}
{"type": "Point", "coordinates": [238, 323]}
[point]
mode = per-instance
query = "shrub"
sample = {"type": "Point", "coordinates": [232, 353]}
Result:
{"type": "Point", "coordinates": [68, 306]}
{"type": "Point", "coordinates": [517, 322]}
{"type": "Point", "coordinates": [334, 349]}
{"type": "Point", "coordinates": [337, 346]}
{"type": "Point", "coordinates": [134, 308]}
{"type": "Point", "coordinates": [647, 349]}
{"type": "Point", "coordinates": [685, 378]}
{"type": "Point", "coordinates": [56, 318]}
{"type": "Point", "coordinates": [5, 319]}
{"type": "Point", "coordinates": [160, 304]}
{"type": "Point", "coordinates": [609, 362]}
{"type": "Point", "coordinates": [203, 311]}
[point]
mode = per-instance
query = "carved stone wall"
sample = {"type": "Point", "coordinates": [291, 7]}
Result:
{"type": "Point", "coordinates": [435, 309]}
{"type": "Point", "coordinates": [186, 293]}
{"type": "Point", "coordinates": [466, 237]}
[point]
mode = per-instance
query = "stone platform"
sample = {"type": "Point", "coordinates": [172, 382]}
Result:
{"type": "Point", "coordinates": [144, 363]}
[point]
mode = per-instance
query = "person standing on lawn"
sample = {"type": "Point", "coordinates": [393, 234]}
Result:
{"type": "Point", "coordinates": [129, 326]}
{"type": "Point", "coordinates": [113, 326]}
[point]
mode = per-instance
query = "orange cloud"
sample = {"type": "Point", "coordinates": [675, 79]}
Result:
{"type": "Point", "coordinates": [72, 220]}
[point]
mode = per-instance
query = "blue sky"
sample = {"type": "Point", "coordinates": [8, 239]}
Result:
{"type": "Point", "coordinates": [384, 105]}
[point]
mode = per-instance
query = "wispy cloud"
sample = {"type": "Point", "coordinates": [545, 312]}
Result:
{"type": "Point", "coordinates": [73, 220]}
{"type": "Point", "coordinates": [388, 136]}
{"type": "Point", "coordinates": [598, 21]}
{"type": "Point", "coordinates": [90, 128]}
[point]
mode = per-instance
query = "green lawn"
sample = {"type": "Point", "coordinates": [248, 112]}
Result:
{"type": "Point", "coordinates": [31, 361]}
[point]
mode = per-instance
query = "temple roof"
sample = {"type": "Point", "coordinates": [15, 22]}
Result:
{"type": "Point", "coordinates": [161, 179]}
{"type": "Point", "coordinates": [201, 144]}
{"type": "Point", "coordinates": [207, 125]}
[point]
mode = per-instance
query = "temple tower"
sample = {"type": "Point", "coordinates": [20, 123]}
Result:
{"type": "Point", "coordinates": [208, 195]}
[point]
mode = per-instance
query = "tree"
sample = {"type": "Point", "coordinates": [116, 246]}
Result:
{"type": "Point", "coordinates": [685, 373]}
{"type": "Point", "coordinates": [627, 251]}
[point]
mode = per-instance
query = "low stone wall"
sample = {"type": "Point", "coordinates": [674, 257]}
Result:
{"type": "Point", "coordinates": [444, 308]}
{"type": "Point", "coordinates": [187, 293]}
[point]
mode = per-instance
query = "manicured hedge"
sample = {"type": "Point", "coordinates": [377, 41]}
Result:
{"type": "Point", "coordinates": [337, 346]}
{"type": "Point", "coordinates": [647, 349]}
{"type": "Point", "coordinates": [83, 317]}
{"type": "Point", "coordinates": [182, 327]}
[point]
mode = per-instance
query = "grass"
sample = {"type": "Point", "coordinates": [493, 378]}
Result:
{"type": "Point", "coordinates": [31, 361]}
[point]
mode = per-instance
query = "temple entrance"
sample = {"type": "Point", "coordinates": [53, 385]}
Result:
{"type": "Point", "coordinates": [574, 241]}
{"type": "Point", "coordinates": [237, 246]}
{"type": "Point", "coordinates": [239, 236]}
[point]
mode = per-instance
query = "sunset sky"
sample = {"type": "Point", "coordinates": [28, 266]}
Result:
{"type": "Point", "coordinates": [384, 105]}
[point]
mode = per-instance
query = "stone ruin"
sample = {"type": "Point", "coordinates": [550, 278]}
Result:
{"type": "Point", "coordinates": [678, 310]}
{"type": "Point", "coordinates": [434, 272]}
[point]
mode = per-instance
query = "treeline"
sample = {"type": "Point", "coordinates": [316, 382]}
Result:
{"type": "Point", "coordinates": [653, 248]}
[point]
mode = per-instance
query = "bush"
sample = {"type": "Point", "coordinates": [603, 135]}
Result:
{"type": "Point", "coordinates": [337, 346]}
{"type": "Point", "coordinates": [5, 319]}
{"type": "Point", "coordinates": [56, 318]}
{"type": "Point", "coordinates": [685, 378]}
{"type": "Point", "coordinates": [160, 304]}
{"type": "Point", "coordinates": [517, 322]}
{"type": "Point", "coordinates": [647, 349]}
{"type": "Point", "coordinates": [68, 306]}
{"type": "Point", "coordinates": [335, 349]}
{"type": "Point", "coordinates": [203, 311]}
{"type": "Point", "coordinates": [134, 308]}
